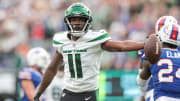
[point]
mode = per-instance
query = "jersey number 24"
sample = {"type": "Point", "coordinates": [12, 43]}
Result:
{"type": "Point", "coordinates": [168, 71]}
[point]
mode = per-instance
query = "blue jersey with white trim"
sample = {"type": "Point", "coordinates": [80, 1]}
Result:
{"type": "Point", "coordinates": [29, 74]}
{"type": "Point", "coordinates": [166, 74]}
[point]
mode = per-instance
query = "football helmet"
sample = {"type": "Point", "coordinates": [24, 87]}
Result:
{"type": "Point", "coordinates": [78, 10]}
{"type": "Point", "coordinates": [164, 20]}
{"type": "Point", "coordinates": [170, 34]}
{"type": "Point", "coordinates": [38, 57]}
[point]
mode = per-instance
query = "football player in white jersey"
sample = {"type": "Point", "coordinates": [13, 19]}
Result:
{"type": "Point", "coordinates": [80, 50]}
{"type": "Point", "coordinates": [54, 90]}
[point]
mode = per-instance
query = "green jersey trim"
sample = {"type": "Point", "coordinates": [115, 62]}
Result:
{"type": "Point", "coordinates": [100, 37]}
{"type": "Point", "coordinates": [55, 42]}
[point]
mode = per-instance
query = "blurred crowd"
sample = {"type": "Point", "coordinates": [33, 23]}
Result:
{"type": "Point", "coordinates": [29, 23]}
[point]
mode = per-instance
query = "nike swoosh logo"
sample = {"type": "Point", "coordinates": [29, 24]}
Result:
{"type": "Point", "coordinates": [88, 98]}
{"type": "Point", "coordinates": [63, 94]}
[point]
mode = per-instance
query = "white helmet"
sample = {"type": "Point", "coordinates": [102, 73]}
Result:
{"type": "Point", "coordinates": [164, 20]}
{"type": "Point", "coordinates": [38, 57]}
{"type": "Point", "coordinates": [170, 34]}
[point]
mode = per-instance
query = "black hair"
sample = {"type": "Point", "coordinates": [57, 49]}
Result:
{"type": "Point", "coordinates": [169, 45]}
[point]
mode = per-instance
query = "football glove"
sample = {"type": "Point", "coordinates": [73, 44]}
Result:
{"type": "Point", "coordinates": [36, 98]}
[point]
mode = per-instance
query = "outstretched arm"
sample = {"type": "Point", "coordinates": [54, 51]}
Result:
{"type": "Point", "coordinates": [50, 72]}
{"type": "Point", "coordinates": [127, 45]}
{"type": "Point", "coordinates": [145, 73]}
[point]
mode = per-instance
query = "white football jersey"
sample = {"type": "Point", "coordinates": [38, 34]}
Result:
{"type": "Point", "coordinates": [81, 59]}
{"type": "Point", "coordinates": [54, 90]}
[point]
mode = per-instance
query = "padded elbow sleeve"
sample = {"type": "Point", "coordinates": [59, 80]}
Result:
{"type": "Point", "coordinates": [142, 84]}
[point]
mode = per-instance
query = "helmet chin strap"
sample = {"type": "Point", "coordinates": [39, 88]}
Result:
{"type": "Point", "coordinates": [82, 33]}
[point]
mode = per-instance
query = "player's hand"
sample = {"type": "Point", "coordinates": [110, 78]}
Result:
{"type": "Point", "coordinates": [36, 98]}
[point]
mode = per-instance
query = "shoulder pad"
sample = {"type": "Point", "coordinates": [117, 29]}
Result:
{"type": "Point", "coordinates": [59, 37]}
{"type": "Point", "coordinates": [24, 75]}
{"type": "Point", "coordinates": [98, 35]}
{"type": "Point", "coordinates": [103, 31]}
{"type": "Point", "coordinates": [99, 31]}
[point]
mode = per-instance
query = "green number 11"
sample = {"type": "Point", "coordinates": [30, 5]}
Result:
{"type": "Point", "coordinates": [77, 63]}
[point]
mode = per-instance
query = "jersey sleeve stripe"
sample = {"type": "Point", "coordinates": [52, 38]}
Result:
{"type": "Point", "coordinates": [55, 42]}
{"type": "Point", "coordinates": [100, 37]}
{"type": "Point", "coordinates": [25, 76]}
